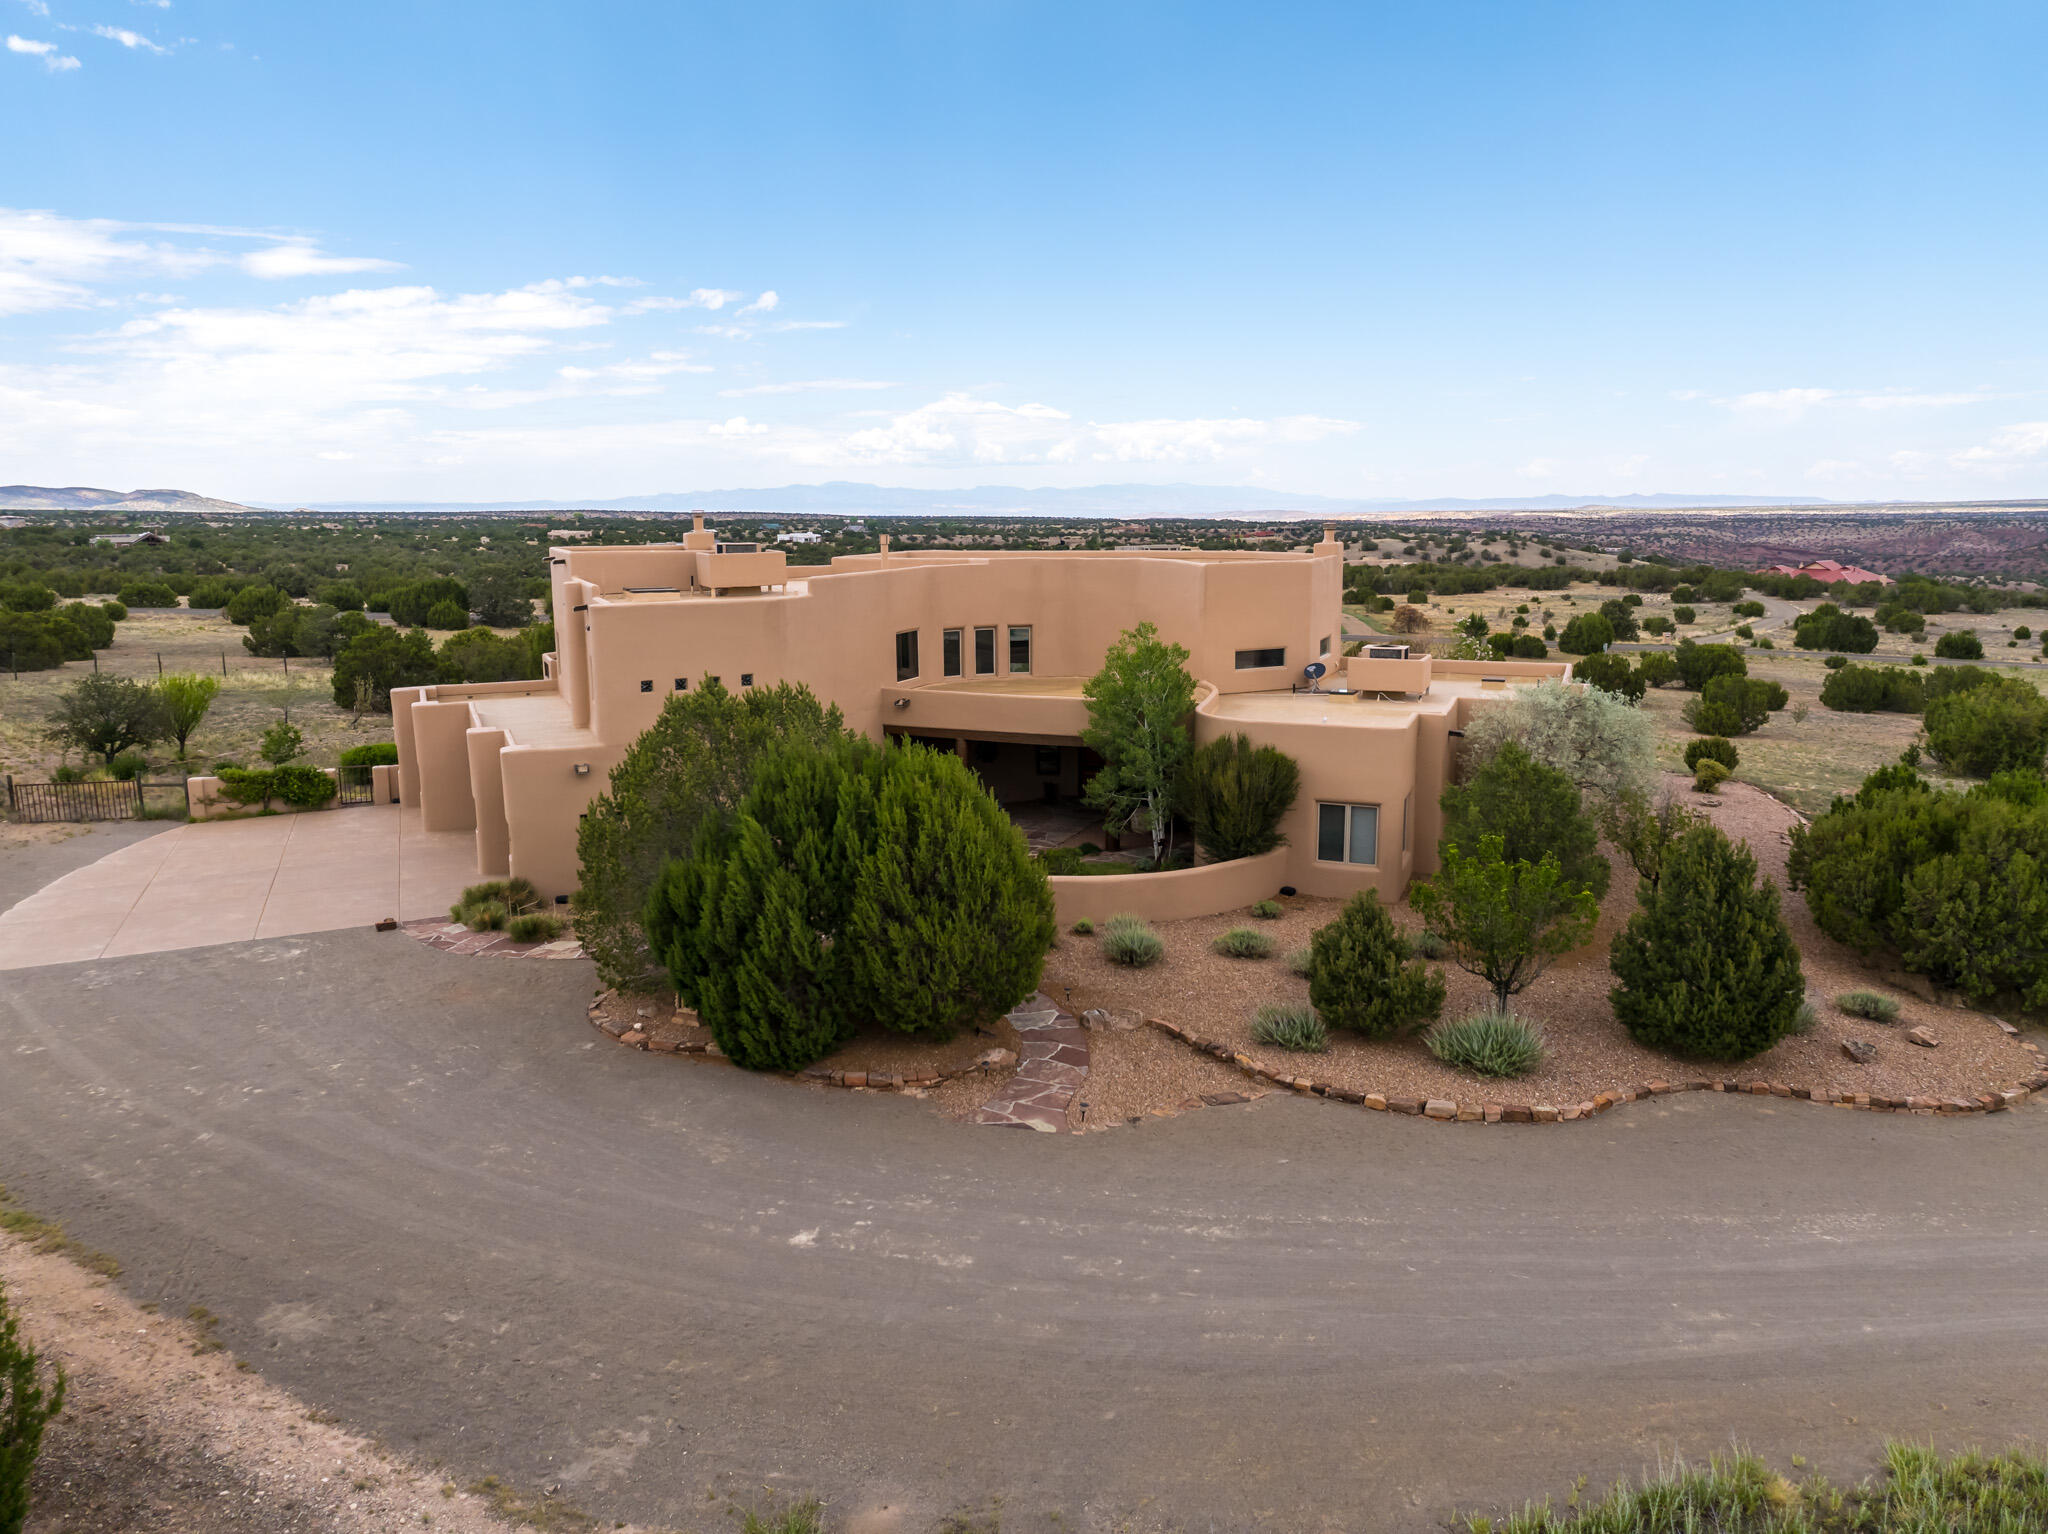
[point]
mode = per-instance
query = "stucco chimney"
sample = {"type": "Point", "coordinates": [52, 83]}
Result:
{"type": "Point", "coordinates": [885, 548]}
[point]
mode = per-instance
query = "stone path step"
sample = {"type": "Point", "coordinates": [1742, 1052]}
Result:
{"type": "Point", "coordinates": [1053, 1048]}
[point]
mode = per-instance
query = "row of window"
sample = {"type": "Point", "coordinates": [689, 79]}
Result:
{"type": "Point", "coordinates": [1261, 660]}
{"type": "Point", "coordinates": [683, 682]}
{"type": "Point", "coordinates": [953, 652]}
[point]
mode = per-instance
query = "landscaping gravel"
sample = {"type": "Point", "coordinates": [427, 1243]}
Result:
{"type": "Point", "coordinates": [1589, 1052]}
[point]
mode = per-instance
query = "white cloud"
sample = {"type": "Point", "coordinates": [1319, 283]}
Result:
{"type": "Point", "coordinates": [764, 304]}
{"type": "Point", "coordinates": [303, 259]}
{"type": "Point", "coordinates": [1790, 404]}
{"type": "Point", "coordinates": [1539, 468]}
{"type": "Point", "coordinates": [1917, 401]}
{"type": "Point", "coordinates": [127, 39]}
{"type": "Point", "coordinates": [808, 325]}
{"type": "Point", "coordinates": [2010, 447]}
{"type": "Point", "coordinates": [810, 385]}
{"type": "Point", "coordinates": [699, 298]}
{"type": "Point", "coordinates": [48, 262]}
{"type": "Point", "coordinates": [51, 59]}
{"type": "Point", "coordinates": [959, 429]}
{"type": "Point", "coordinates": [41, 7]}
{"type": "Point", "coordinates": [1205, 441]}
{"type": "Point", "coordinates": [162, 5]}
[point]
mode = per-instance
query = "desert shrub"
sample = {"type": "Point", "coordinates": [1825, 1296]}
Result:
{"type": "Point", "coordinates": [855, 882]}
{"type": "Point", "coordinates": [1712, 748]}
{"type": "Point", "coordinates": [1061, 860]}
{"type": "Point", "coordinates": [1734, 705]}
{"type": "Point", "coordinates": [1707, 967]}
{"type": "Point", "coordinates": [1611, 673]}
{"type": "Point", "coordinates": [1699, 664]}
{"type": "Point", "coordinates": [1656, 669]}
{"type": "Point", "coordinates": [1748, 609]}
{"type": "Point", "coordinates": [1534, 808]}
{"type": "Point", "coordinates": [147, 594]}
{"type": "Point", "coordinates": [1236, 794]}
{"type": "Point", "coordinates": [1805, 1020]}
{"type": "Point", "coordinates": [252, 602]}
{"type": "Point", "coordinates": [377, 753]}
{"type": "Point", "coordinates": [27, 1406]}
{"type": "Point", "coordinates": [1492, 1042]}
{"type": "Point", "coordinates": [446, 614]}
{"type": "Point", "coordinates": [1594, 739]}
{"type": "Point", "coordinates": [1587, 634]}
{"type": "Point", "coordinates": [1827, 627]}
{"type": "Point", "coordinates": [1683, 614]}
{"type": "Point", "coordinates": [106, 714]}
{"type": "Point", "coordinates": [1872, 689]}
{"type": "Point", "coordinates": [1243, 943]}
{"type": "Point", "coordinates": [66, 773]}
{"type": "Point", "coordinates": [1656, 623]}
{"type": "Point", "coordinates": [1708, 776]}
{"type": "Point", "coordinates": [128, 766]}
{"type": "Point", "coordinates": [302, 787]}
{"type": "Point", "coordinates": [1874, 1005]}
{"type": "Point", "coordinates": [281, 742]}
{"type": "Point", "coordinates": [1835, 662]}
{"type": "Point", "coordinates": [1268, 910]}
{"type": "Point", "coordinates": [1083, 928]}
{"type": "Point", "coordinates": [239, 786]}
{"type": "Point", "coordinates": [1300, 962]}
{"type": "Point", "coordinates": [1959, 646]}
{"type": "Point", "coordinates": [1290, 1025]}
{"type": "Point", "coordinates": [485, 916]}
{"type": "Point", "coordinates": [533, 927]}
{"type": "Point", "coordinates": [1361, 977]}
{"type": "Point", "coordinates": [2000, 724]}
{"type": "Point", "coordinates": [383, 658]}
{"type": "Point", "coordinates": [1127, 940]}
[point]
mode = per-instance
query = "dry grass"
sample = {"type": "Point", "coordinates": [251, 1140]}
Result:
{"type": "Point", "coordinates": [254, 694]}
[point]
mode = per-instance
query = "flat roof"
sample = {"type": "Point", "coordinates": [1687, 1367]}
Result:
{"type": "Point", "coordinates": [1013, 686]}
{"type": "Point", "coordinates": [1361, 710]}
{"type": "Point", "coordinates": [540, 719]}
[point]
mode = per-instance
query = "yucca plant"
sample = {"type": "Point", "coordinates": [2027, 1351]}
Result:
{"type": "Point", "coordinates": [1491, 1042]}
{"type": "Point", "coordinates": [1301, 962]}
{"type": "Point", "coordinates": [1292, 1026]}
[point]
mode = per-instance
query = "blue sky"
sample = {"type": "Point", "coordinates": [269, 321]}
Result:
{"type": "Point", "coordinates": [289, 251]}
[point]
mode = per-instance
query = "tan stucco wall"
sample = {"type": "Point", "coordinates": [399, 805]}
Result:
{"type": "Point", "coordinates": [1184, 892]}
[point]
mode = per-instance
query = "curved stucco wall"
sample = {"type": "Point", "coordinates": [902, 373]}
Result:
{"type": "Point", "coordinates": [1205, 891]}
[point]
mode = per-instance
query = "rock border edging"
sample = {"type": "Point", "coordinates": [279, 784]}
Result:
{"type": "Point", "coordinates": [1449, 1111]}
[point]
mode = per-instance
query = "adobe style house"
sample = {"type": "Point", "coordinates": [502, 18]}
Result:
{"type": "Point", "coordinates": [984, 654]}
{"type": "Point", "coordinates": [1829, 572]}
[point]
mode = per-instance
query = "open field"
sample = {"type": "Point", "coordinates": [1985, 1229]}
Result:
{"type": "Point", "coordinates": [255, 693]}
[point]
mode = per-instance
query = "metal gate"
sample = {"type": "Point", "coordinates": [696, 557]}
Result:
{"type": "Point", "coordinates": [354, 785]}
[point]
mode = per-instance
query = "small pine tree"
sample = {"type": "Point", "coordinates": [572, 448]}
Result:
{"type": "Point", "coordinates": [950, 920]}
{"type": "Point", "coordinates": [1504, 919]}
{"type": "Point", "coordinates": [1708, 968]}
{"type": "Point", "coordinates": [1535, 809]}
{"type": "Point", "coordinates": [26, 1408]}
{"type": "Point", "coordinates": [1360, 977]}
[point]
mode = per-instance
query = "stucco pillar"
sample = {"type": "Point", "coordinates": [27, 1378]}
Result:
{"type": "Point", "coordinates": [438, 731]}
{"type": "Point", "coordinates": [402, 701]}
{"type": "Point", "coordinates": [487, 789]}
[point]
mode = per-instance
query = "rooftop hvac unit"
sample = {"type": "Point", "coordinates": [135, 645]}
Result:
{"type": "Point", "coordinates": [1386, 652]}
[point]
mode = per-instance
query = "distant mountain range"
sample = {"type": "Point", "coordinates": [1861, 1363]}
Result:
{"type": "Point", "coordinates": [84, 498]}
{"type": "Point", "coordinates": [842, 498]}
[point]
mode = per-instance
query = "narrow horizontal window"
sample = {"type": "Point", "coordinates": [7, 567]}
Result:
{"type": "Point", "coordinates": [1259, 660]}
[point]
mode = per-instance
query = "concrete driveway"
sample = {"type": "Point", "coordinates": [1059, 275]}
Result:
{"type": "Point", "coordinates": [230, 880]}
{"type": "Point", "coordinates": [419, 1192]}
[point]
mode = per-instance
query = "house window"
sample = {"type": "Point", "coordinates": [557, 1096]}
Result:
{"type": "Point", "coordinates": [746, 679]}
{"type": "Point", "coordinates": [682, 684]}
{"type": "Point", "coordinates": [1405, 802]}
{"type": "Point", "coordinates": [984, 652]}
{"type": "Point", "coordinates": [1325, 646]}
{"type": "Point", "coordinates": [1020, 649]}
{"type": "Point", "coordinates": [648, 685]}
{"type": "Point", "coordinates": [1259, 660]}
{"type": "Point", "coordinates": [906, 655]}
{"type": "Point", "coordinates": [952, 652]}
{"type": "Point", "coordinates": [1348, 833]}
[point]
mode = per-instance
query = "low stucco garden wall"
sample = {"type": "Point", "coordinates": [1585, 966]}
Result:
{"type": "Point", "coordinates": [1172, 896]}
{"type": "Point", "coordinates": [207, 802]}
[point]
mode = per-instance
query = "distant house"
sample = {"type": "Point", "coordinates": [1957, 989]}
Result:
{"type": "Point", "coordinates": [1829, 572]}
{"type": "Point", "coordinates": [568, 533]}
{"type": "Point", "coordinates": [128, 540]}
{"type": "Point", "coordinates": [797, 538]}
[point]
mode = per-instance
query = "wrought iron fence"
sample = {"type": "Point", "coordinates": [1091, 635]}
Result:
{"type": "Point", "coordinates": [98, 799]}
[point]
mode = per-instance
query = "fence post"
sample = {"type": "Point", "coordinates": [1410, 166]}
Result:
{"type": "Point", "coordinates": [141, 804]}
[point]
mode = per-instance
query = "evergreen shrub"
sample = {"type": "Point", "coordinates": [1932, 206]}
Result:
{"type": "Point", "coordinates": [1361, 978]}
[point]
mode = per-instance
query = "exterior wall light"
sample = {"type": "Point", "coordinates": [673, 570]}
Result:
{"type": "Point", "coordinates": [903, 703]}
{"type": "Point", "coordinates": [583, 769]}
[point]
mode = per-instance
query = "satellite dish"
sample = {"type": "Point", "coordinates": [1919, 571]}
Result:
{"type": "Point", "coordinates": [1314, 670]}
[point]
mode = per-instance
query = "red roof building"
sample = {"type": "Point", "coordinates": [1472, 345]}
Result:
{"type": "Point", "coordinates": [1829, 572]}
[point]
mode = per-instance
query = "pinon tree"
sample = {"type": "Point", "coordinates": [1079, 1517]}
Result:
{"type": "Point", "coordinates": [1708, 968]}
{"type": "Point", "coordinates": [26, 1407]}
{"type": "Point", "coordinates": [1360, 976]}
{"type": "Point", "coordinates": [1236, 794]}
{"type": "Point", "coordinates": [1139, 705]}
{"type": "Point", "coordinates": [1534, 808]}
{"type": "Point", "coordinates": [695, 762]}
{"type": "Point", "coordinates": [855, 883]}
